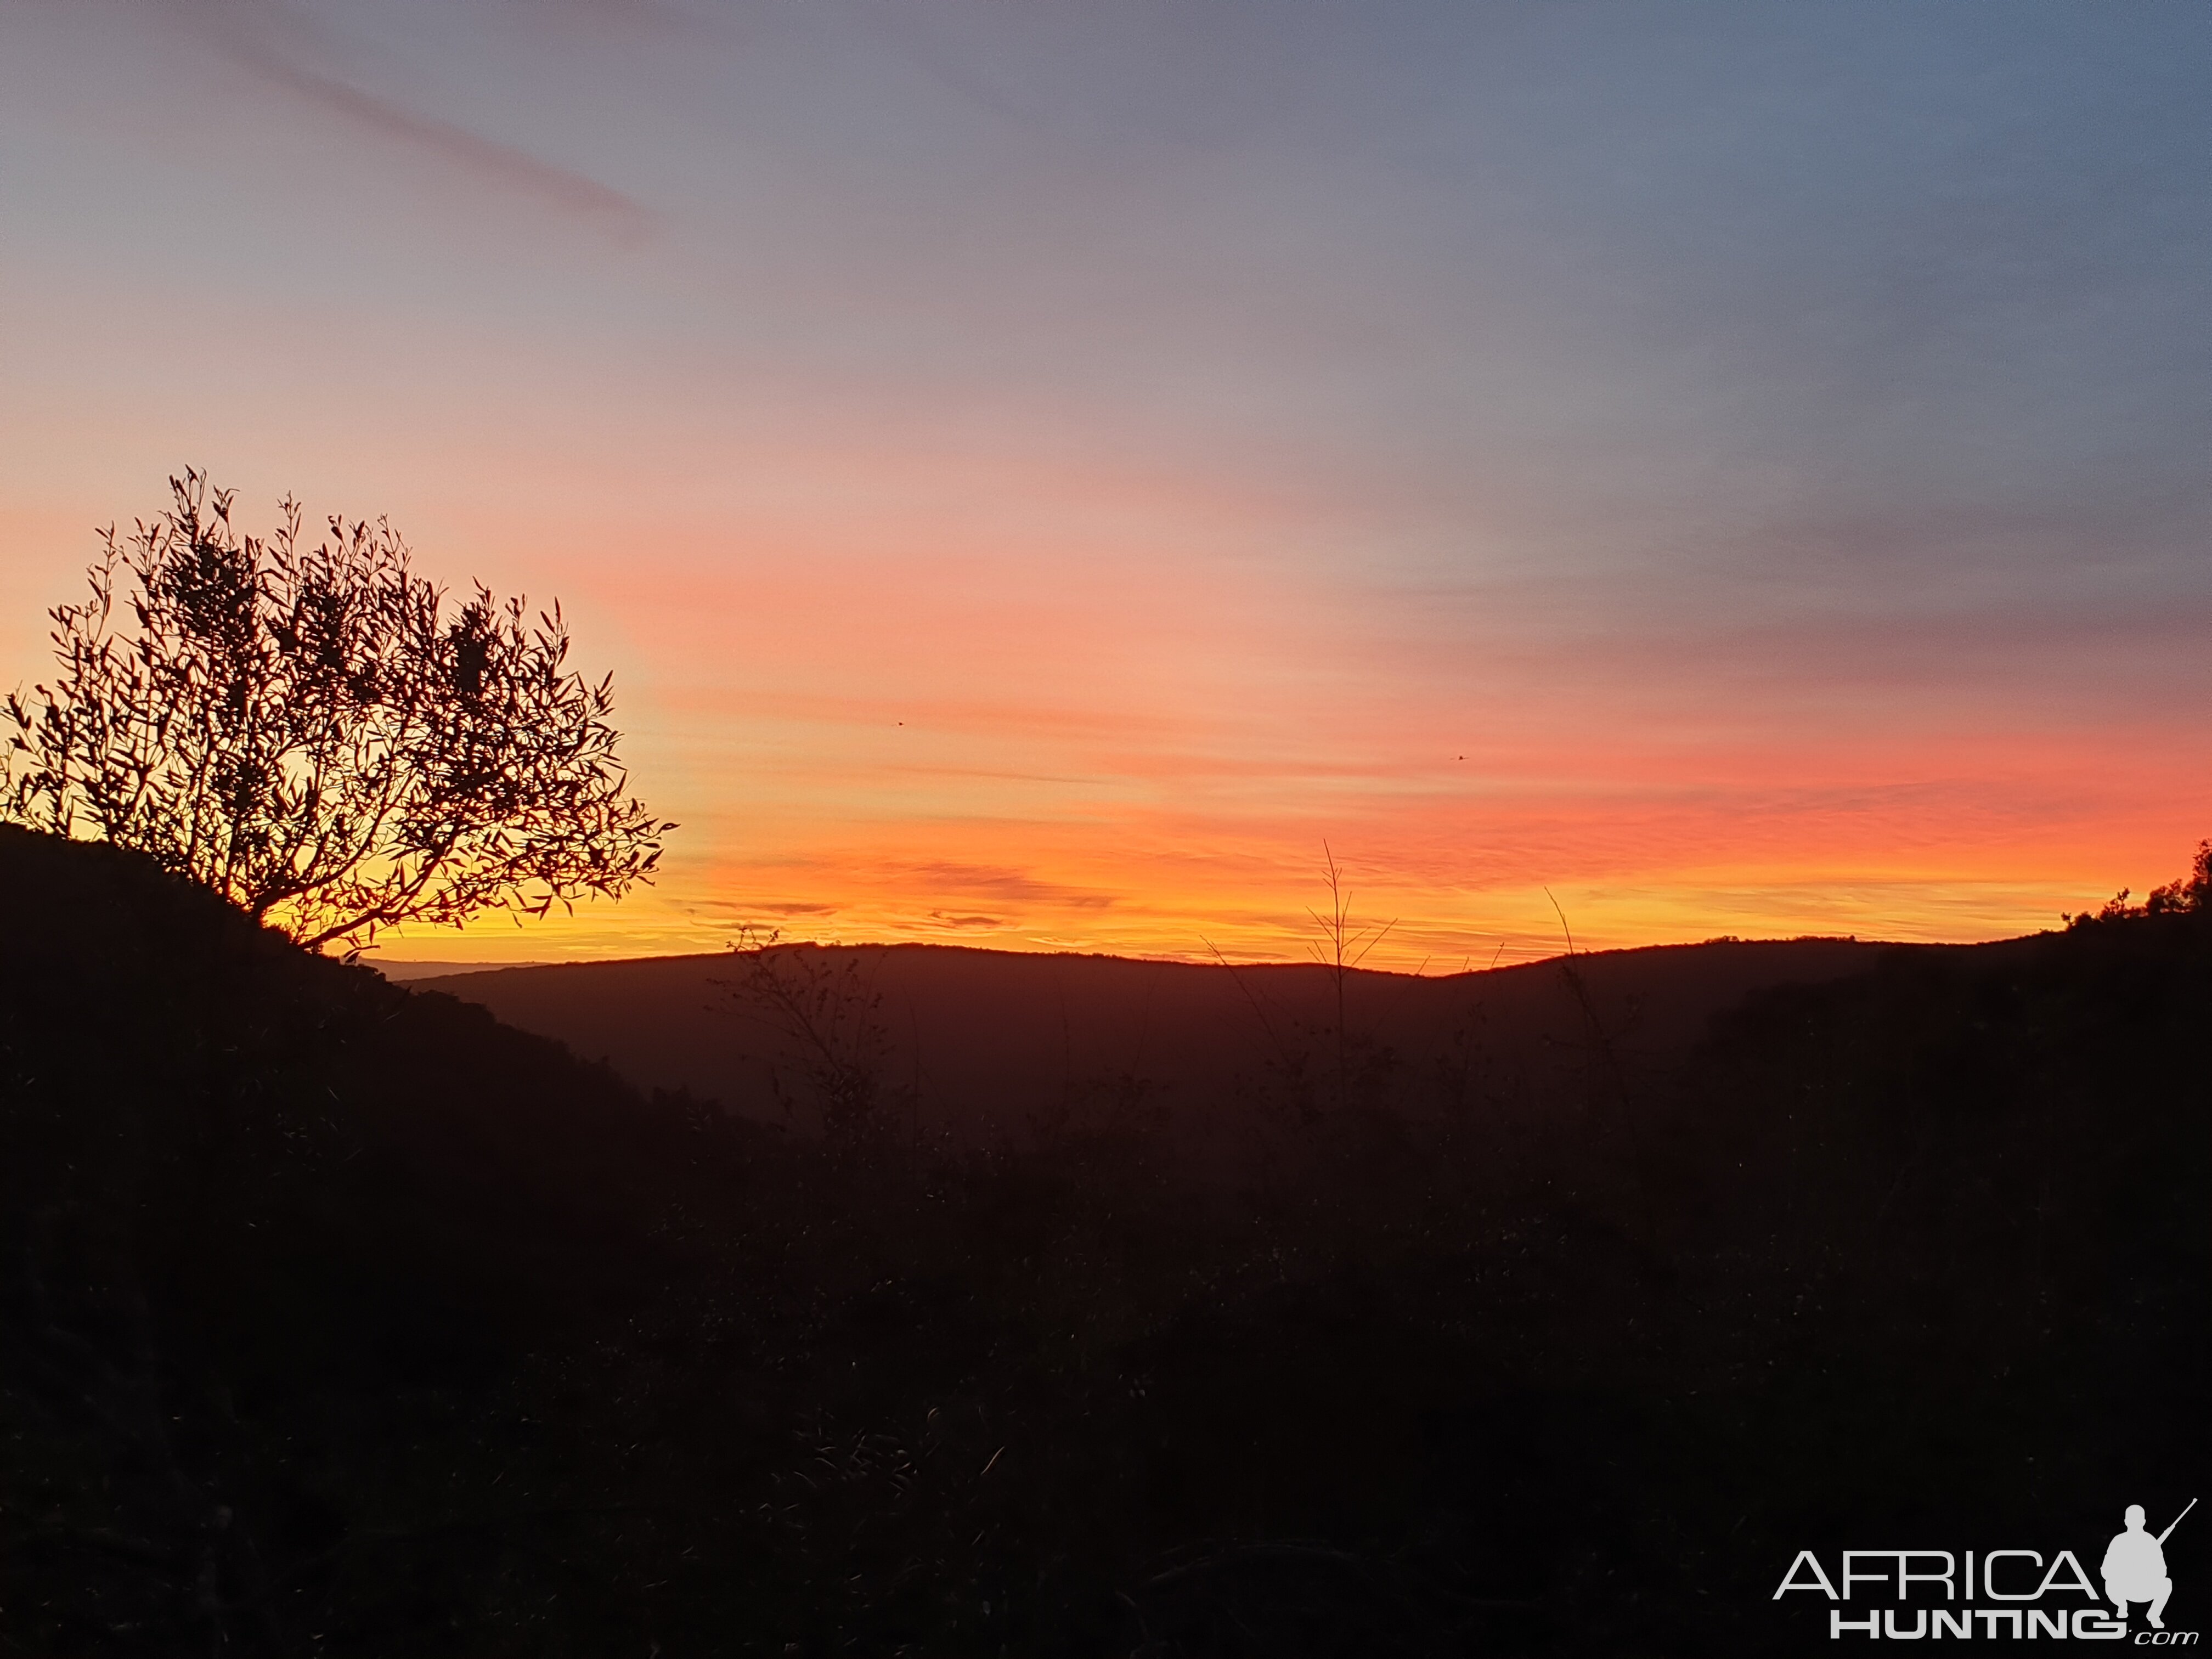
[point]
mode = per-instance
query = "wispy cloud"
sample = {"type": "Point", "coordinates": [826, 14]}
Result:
{"type": "Point", "coordinates": [746, 908]}
{"type": "Point", "coordinates": [994, 881]}
{"type": "Point", "coordinates": [487, 163]}
{"type": "Point", "coordinates": [944, 920]}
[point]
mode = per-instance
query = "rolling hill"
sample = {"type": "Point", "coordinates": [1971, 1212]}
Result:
{"type": "Point", "coordinates": [985, 1043]}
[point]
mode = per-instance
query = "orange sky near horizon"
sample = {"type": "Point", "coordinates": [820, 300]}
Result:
{"type": "Point", "coordinates": [1037, 482]}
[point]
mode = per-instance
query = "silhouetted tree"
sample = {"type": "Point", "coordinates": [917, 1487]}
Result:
{"type": "Point", "coordinates": [825, 1011]}
{"type": "Point", "coordinates": [316, 734]}
{"type": "Point", "coordinates": [2190, 896]}
{"type": "Point", "coordinates": [1342, 946]}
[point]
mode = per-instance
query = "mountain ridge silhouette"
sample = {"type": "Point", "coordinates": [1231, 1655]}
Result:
{"type": "Point", "coordinates": [991, 1035]}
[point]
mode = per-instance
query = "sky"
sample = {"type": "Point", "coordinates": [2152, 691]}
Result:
{"type": "Point", "coordinates": [1041, 473]}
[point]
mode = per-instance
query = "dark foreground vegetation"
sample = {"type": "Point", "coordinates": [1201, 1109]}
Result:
{"type": "Point", "coordinates": [339, 1320]}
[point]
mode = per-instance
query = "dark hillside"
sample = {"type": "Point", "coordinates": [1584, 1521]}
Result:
{"type": "Point", "coordinates": [264, 1219]}
{"type": "Point", "coordinates": [336, 1318]}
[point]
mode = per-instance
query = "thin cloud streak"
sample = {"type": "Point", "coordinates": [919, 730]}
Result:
{"type": "Point", "coordinates": [485, 161]}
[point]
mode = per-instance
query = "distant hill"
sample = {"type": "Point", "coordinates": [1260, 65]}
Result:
{"type": "Point", "coordinates": [406, 973]}
{"type": "Point", "coordinates": [986, 1042]}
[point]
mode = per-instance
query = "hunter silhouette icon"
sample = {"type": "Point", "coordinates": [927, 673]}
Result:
{"type": "Point", "coordinates": [2135, 1565]}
